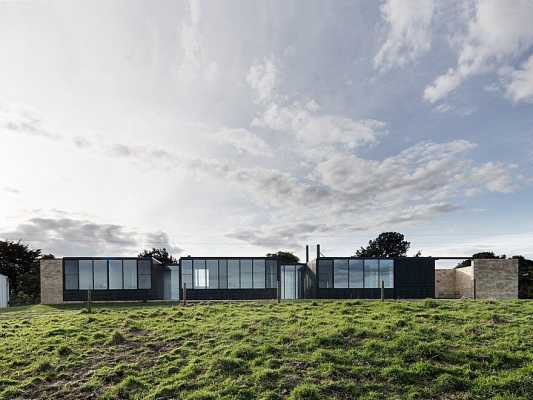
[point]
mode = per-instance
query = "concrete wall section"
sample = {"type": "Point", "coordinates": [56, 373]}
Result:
{"type": "Point", "coordinates": [445, 284]}
{"type": "Point", "coordinates": [496, 278]}
{"type": "Point", "coordinates": [52, 281]}
{"type": "Point", "coordinates": [464, 282]}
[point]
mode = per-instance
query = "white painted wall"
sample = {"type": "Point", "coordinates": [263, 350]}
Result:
{"type": "Point", "coordinates": [4, 291]}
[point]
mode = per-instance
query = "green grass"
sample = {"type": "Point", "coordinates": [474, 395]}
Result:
{"type": "Point", "coordinates": [301, 350]}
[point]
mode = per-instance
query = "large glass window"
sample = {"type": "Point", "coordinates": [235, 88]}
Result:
{"type": "Point", "coordinates": [200, 274]}
{"type": "Point", "coordinates": [129, 268]}
{"type": "Point", "coordinates": [212, 272]}
{"type": "Point", "coordinates": [223, 274]}
{"type": "Point", "coordinates": [100, 274]}
{"type": "Point", "coordinates": [372, 274]}
{"type": "Point", "coordinates": [186, 273]}
{"type": "Point", "coordinates": [259, 274]}
{"type": "Point", "coordinates": [288, 281]}
{"type": "Point", "coordinates": [386, 273]}
{"type": "Point", "coordinates": [71, 275]}
{"type": "Point", "coordinates": [145, 274]}
{"type": "Point", "coordinates": [246, 274]}
{"type": "Point", "coordinates": [115, 274]}
{"type": "Point", "coordinates": [356, 274]}
{"type": "Point", "coordinates": [325, 274]}
{"type": "Point", "coordinates": [86, 274]}
{"type": "Point", "coordinates": [233, 274]}
{"type": "Point", "coordinates": [271, 274]}
{"type": "Point", "coordinates": [340, 273]}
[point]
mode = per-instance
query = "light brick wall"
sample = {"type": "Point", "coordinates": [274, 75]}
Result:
{"type": "Point", "coordinates": [496, 278]}
{"type": "Point", "coordinates": [445, 284]}
{"type": "Point", "coordinates": [52, 281]}
{"type": "Point", "coordinates": [464, 282]}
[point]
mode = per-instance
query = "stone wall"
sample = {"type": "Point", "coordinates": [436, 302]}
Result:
{"type": "Point", "coordinates": [52, 281]}
{"type": "Point", "coordinates": [464, 282]}
{"type": "Point", "coordinates": [445, 284]}
{"type": "Point", "coordinates": [496, 278]}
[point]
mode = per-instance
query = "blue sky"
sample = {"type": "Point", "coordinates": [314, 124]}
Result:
{"type": "Point", "coordinates": [245, 127]}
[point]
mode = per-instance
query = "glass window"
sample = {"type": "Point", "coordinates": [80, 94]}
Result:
{"type": "Point", "coordinates": [186, 273]}
{"type": "Point", "coordinates": [200, 274]}
{"type": "Point", "coordinates": [129, 268]}
{"type": "Point", "coordinates": [371, 273]}
{"type": "Point", "coordinates": [386, 273]}
{"type": "Point", "coordinates": [86, 274]}
{"type": "Point", "coordinates": [246, 274]}
{"type": "Point", "coordinates": [272, 274]}
{"type": "Point", "coordinates": [100, 274]}
{"type": "Point", "coordinates": [223, 274]}
{"type": "Point", "coordinates": [144, 269]}
{"type": "Point", "coordinates": [71, 275]}
{"type": "Point", "coordinates": [356, 274]}
{"type": "Point", "coordinates": [212, 272]}
{"type": "Point", "coordinates": [288, 281]}
{"type": "Point", "coordinates": [325, 274]}
{"type": "Point", "coordinates": [233, 274]}
{"type": "Point", "coordinates": [115, 274]}
{"type": "Point", "coordinates": [259, 274]}
{"type": "Point", "coordinates": [340, 273]}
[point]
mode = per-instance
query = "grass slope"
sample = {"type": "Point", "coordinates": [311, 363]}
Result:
{"type": "Point", "coordinates": [305, 350]}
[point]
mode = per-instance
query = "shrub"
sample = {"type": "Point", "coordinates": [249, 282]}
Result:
{"type": "Point", "coordinates": [117, 338]}
{"type": "Point", "coordinates": [64, 350]}
{"type": "Point", "coordinates": [305, 391]}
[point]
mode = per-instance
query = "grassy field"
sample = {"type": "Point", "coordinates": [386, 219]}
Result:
{"type": "Point", "coordinates": [305, 350]}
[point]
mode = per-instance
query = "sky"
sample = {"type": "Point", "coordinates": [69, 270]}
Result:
{"type": "Point", "coordinates": [246, 127]}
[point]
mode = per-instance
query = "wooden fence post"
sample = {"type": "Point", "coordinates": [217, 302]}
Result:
{"type": "Point", "coordinates": [184, 294]}
{"type": "Point", "coordinates": [382, 290]}
{"type": "Point", "coordinates": [89, 300]}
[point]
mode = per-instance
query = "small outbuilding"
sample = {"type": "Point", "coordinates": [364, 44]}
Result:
{"type": "Point", "coordinates": [4, 291]}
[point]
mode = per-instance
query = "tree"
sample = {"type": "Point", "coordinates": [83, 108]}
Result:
{"type": "Point", "coordinates": [21, 265]}
{"type": "Point", "coordinates": [160, 254]}
{"type": "Point", "coordinates": [387, 244]}
{"type": "Point", "coordinates": [285, 257]}
{"type": "Point", "coordinates": [481, 255]}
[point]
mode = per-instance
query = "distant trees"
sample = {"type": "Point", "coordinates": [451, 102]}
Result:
{"type": "Point", "coordinates": [481, 255]}
{"type": "Point", "coordinates": [285, 257]}
{"type": "Point", "coordinates": [20, 264]}
{"type": "Point", "coordinates": [160, 254]}
{"type": "Point", "coordinates": [387, 244]}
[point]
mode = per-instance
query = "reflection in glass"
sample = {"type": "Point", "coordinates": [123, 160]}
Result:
{"type": "Point", "coordinates": [129, 268]}
{"type": "Point", "coordinates": [115, 274]}
{"type": "Point", "coordinates": [186, 274]}
{"type": "Point", "coordinates": [212, 272]}
{"type": "Point", "coordinates": [325, 274]}
{"type": "Point", "coordinates": [100, 274]}
{"type": "Point", "coordinates": [200, 274]}
{"type": "Point", "coordinates": [259, 274]}
{"type": "Point", "coordinates": [233, 274]}
{"type": "Point", "coordinates": [356, 274]}
{"type": "Point", "coordinates": [71, 275]}
{"type": "Point", "coordinates": [340, 273]}
{"type": "Point", "coordinates": [246, 274]}
{"type": "Point", "coordinates": [372, 274]}
{"type": "Point", "coordinates": [223, 274]}
{"type": "Point", "coordinates": [386, 273]}
{"type": "Point", "coordinates": [86, 274]}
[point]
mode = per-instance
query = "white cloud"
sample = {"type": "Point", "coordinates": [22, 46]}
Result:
{"type": "Point", "coordinates": [64, 236]}
{"type": "Point", "coordinates": [519, 86]}
{"type": "Point", "coordinates": [498, 33]}
{"type": "Point", "coordinates": [245, 141]}
{"type": "Point", "coordinates": [195, 64]}
{"type": "Point", "coordinates": [313, 128]}
{"type": "Point", "coordinates": [409, 33]}
{"type": "Point", "coordinates": [21, 119]}
{"type": "Point", "coordinates": [263, 79]}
